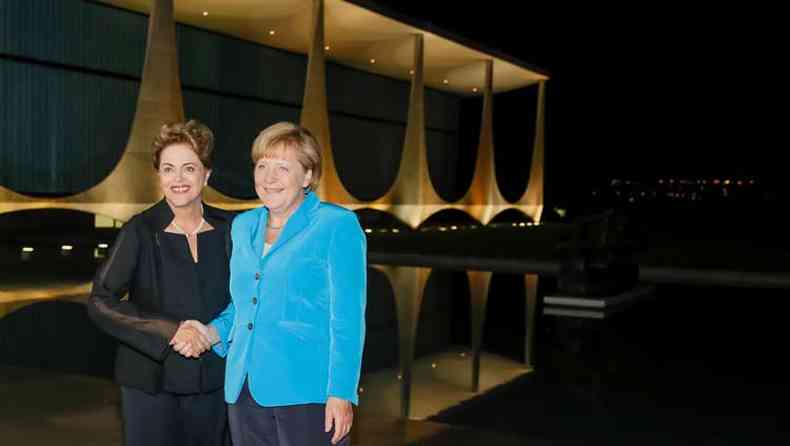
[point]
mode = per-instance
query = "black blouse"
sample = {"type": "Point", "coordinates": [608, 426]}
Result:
{"type": "Point", "coordinates": [164, 286]}
{"type": "Point", "coordinates": [193, 290]}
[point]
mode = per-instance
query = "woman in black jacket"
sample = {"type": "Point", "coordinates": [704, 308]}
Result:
{"type": "Point", "coordinates": [172, 260]}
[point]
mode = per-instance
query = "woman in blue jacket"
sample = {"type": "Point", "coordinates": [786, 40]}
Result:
{"type": "Point", "coordinates": [294, 331]}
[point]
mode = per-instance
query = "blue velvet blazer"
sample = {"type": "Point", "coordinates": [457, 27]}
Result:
{"type": "Point", "coordinates": [295, 327]}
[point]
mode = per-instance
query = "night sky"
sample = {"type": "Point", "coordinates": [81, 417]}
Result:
{"type": "Point", "coordinates": [642, 93]}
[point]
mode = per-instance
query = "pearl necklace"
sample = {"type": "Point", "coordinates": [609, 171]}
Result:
{"type": "Point", "coordinates": [190, 234]}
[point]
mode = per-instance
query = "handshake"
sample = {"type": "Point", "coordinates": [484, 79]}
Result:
{"type": "Point", "coordinates": [193, 338]}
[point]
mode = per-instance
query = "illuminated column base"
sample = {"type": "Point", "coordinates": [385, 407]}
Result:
{"type": "Point", "coordinates": [408, 285]}
{"type": "Point", "coordinates": [479, 282]}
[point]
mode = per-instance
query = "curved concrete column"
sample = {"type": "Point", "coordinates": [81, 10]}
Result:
{"type": "Point", "coordinates": [315, 113]}
{"type": "Point", "coordinates": [413, 189]}
{"type": "Point", "coordinates": [483, 197]}
{"type": "Point", "coordinates": [408, 285]}
{"type": "Point", "coordinates": [533, 196]}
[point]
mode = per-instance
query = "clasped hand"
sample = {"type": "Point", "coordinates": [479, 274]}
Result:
{"type": "Point", "coordinates": [193, 338]}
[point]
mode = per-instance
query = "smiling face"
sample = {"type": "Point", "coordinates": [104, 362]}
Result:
{"type": "Point", "coordinates": [181, 175]}
{"type": "Point", "coordinates": [280, 180]}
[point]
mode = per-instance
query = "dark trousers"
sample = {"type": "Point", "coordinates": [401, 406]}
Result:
{"type": "Point", "coordinates": [298, 425]}
{"type": "Point", "coordinates": [167, 419]}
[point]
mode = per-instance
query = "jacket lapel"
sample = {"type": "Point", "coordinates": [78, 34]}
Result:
{"type": "Point", "coordinates": [257, 233]}
{"type": "Point", "coordinates": [296, 223]}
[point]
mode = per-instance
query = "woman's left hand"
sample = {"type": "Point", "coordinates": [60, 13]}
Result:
{"type": "Point", "coordinates": [340, 415]}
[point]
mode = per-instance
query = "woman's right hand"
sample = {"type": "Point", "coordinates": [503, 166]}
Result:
{"type": "Point", "coordinates": [193, 338]}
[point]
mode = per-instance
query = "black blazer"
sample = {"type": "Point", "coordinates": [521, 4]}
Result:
{"type": "Point", "coordinates": [139, 321]}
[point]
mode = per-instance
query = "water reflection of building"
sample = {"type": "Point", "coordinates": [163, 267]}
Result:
{"type": "Point", "coordinates": [679, 190]}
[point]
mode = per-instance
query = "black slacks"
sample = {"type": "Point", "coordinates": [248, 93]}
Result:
{"type": "Point", "coordinates": [167, 419]}
{"type": "Point", "coordinates": [297, 425]}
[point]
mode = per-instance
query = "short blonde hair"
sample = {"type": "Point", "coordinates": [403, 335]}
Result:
{"type": "Point", "coordinates": [193, 133]}
{"type": "Point", "coordinates": [289, 136]}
